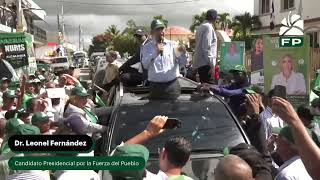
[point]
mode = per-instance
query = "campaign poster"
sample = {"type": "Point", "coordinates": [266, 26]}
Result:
{"type": "Point", "coordinates": [15, 54]}
{"type": "Point", "coordinates": [257, 70]}
{"type": "Point", "coordinates": [232, 54]}
{"type": "Point", "coordinates": [289, 67]}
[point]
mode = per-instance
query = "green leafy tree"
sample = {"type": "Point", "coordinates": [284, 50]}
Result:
{"type": "Point", "coordinates": [197, 21]}
{"type": "Point", "coordinates": [113, 30]}
{"type": "Point", "coordinates": [242, 26]}
{"type": "Point", "coordinates": [100, 42]}
{"type": "Point", "coordinates": [163, 19]}
{"type": "Point", "coordinates": [224, 21]}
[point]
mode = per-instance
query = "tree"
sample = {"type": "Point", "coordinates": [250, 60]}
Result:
{"type": "Point", "coordinates": [224, 21]}
{"type": "Point", "coordinates": [243, 25]}
{"type": "Point", "coordinates": [161, 18]}
{"type": "Point", "coordinates": [197, 21]}
{"type": "Point", "coordinates": [100, 42]}
{"type": "Point", "coordinates": [113, 30]}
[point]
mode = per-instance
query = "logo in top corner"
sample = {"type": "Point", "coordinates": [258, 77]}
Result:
{"type": "Point", "coordinates": [292, 31]}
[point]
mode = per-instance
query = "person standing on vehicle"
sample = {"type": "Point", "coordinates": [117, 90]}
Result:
{"type": "Point", "coordinates": [234, 91]}
{"type": "Point", "coordinates": [163, 59]}
{"type": "Point", "coordinates": [132, 76]}
{"type": "Point", "coordinates": [206, 47]}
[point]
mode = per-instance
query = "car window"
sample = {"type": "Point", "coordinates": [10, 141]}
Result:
{"type": "Point", "coordinates": [207, 124]}
{"type": "Point", "coordinates": [60, 60]}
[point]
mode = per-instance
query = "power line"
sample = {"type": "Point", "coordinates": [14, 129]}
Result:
{"type": "Point", "coordinates": [128, 4]}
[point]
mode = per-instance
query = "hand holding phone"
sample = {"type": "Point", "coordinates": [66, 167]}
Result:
{"type": "Point", "coordinates": [172, 123]}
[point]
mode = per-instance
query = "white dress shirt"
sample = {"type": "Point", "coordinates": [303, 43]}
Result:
{"type": "Point", "coordinates": [296, 83]}
{"type": "Point", "coordinates": [293, 169]}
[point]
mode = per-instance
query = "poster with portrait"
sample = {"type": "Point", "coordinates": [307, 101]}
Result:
{"type": "Point", "coordinates": [231, 54]}
{"type": "Point", "coordinates": [289, 67]}
{"type": "Point", "coordinates": [256, 56]}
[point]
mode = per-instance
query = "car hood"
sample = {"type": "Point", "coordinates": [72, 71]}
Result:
{"type": "Point", "coordinates": [200, 167]}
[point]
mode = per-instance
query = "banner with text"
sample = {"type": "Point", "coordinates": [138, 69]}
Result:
{"type": "Point", "coordinates": [289, 67]}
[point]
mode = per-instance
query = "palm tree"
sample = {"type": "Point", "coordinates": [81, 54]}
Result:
{"type": "Point", "coordinates": [243, 24]}
{"type": "Point", "coordinates": [224, 20]}
{"type": "Point", "coordinates": [161, 18]}
{"type": "Point", "coordinates": [113, 30]}
{"type": "Point", "coordinates": [197, 21]}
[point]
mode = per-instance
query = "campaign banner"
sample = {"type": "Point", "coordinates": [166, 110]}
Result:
{"type": "Point", "coordinates": [257, 70]}
{"type": "Point", "coordinates": [15, 54]}
{"type": "Point", "coordinates": [289, 67]}
{"type": "Point", "coordinates": [231, 54]}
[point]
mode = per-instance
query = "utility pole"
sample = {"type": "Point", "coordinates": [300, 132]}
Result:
{"type": "Point", "coordinates": [79, 37]}
{"type": "Point", "coordinates": [62, 23]}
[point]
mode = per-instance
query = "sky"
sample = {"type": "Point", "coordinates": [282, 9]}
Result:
{"type": "Point", "coordinates": [95, 16]}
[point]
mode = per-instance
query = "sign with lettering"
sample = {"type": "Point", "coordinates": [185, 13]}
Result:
{"type": "Point", "coordinates": [15, 54]}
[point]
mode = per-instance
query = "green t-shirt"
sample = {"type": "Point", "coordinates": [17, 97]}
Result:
{"type": "Point", "coordinates": [93, 118]}
{"type": "Point", "coordinates": [26, 98]}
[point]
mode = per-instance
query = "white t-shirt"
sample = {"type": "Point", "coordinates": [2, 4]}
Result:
{"type": "Point", "coordinates": [76, 174]}
{"type": "Point", "coordinates": [293, 169]}
{"type": "Point", "coordinates": [161, 176]}
{"type": "Point", "coordinates": [269, 121]}
{"type": "Point", "coordinates": [30, 175]}
{"type": "Point", "coordinates": [295, 83]}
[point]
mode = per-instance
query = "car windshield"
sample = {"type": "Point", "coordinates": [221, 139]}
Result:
{"type": "Point", "coordinates": [60, 60]}
{"type": "Point", "coordinates": [206, 123]}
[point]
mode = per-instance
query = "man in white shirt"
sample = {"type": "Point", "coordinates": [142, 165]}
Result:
{"type": "Point", "coordinates": [206, 47]}
{"type": "Point", "coordinates": [293, 167]}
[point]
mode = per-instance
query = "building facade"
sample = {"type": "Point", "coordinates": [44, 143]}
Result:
{"type": "Point", "coordinates": [308, 9]}
{"type": "Point", "coordinates": [32, 12]}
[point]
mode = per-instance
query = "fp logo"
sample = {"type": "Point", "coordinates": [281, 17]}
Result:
{"type": "Point", "coordinates": [291, 32]}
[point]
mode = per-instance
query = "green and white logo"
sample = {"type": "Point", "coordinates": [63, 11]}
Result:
{"type": "Point", "coordinates": [291, 33]}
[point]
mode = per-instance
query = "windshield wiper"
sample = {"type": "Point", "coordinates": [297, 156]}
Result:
{"type": "Point", "coordinates": [207, 150]}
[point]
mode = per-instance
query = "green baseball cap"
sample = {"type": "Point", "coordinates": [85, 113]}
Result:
{"type": "Point", "coordinates": [10, 94]}
{"type": "Point", "coordinates": [156, 23]}
{"type": "Point", "coordinates": [130, 150]}
{"type": "Point", "coordinates": [238, 68]}
{"type": "Point", "coordinates": [39, 116]}
{"type": "Point", "coordinates": [253, 89]}
{"type": "Point", "coordinates": [79, 91]}
{"type": "Point", "coordinates": [28, 129]}
{"type": "Point", "coordinates": [286, 133]}
{"type": "Point", "coordinates": [11, 126]}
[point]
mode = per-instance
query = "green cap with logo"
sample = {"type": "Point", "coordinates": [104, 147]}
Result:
{"type": "Point", "coordinates": [253, 89]}
{"type": "Point", "coordinates": [10, 94]}
{"type": "Point", "coordinates": [79, 91]}
{"type": "Point", "coordinates": [4, 79]}
{"type": "Point", "coordinates": [39, 116]}
{"type": "Point", "coordinates": [156, 23]}
{"type": "Point", "coordinates": [130, 150]}
{"type": "Point", "coordinates": [238, 68]}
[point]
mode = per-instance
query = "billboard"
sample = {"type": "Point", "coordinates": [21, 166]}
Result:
{"type": "Point", "coordinates": [231, 54]}
{"type": "Point", "coordinates": [289, 67]}
{"type": "Point", "coordinates": [257, 72]}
